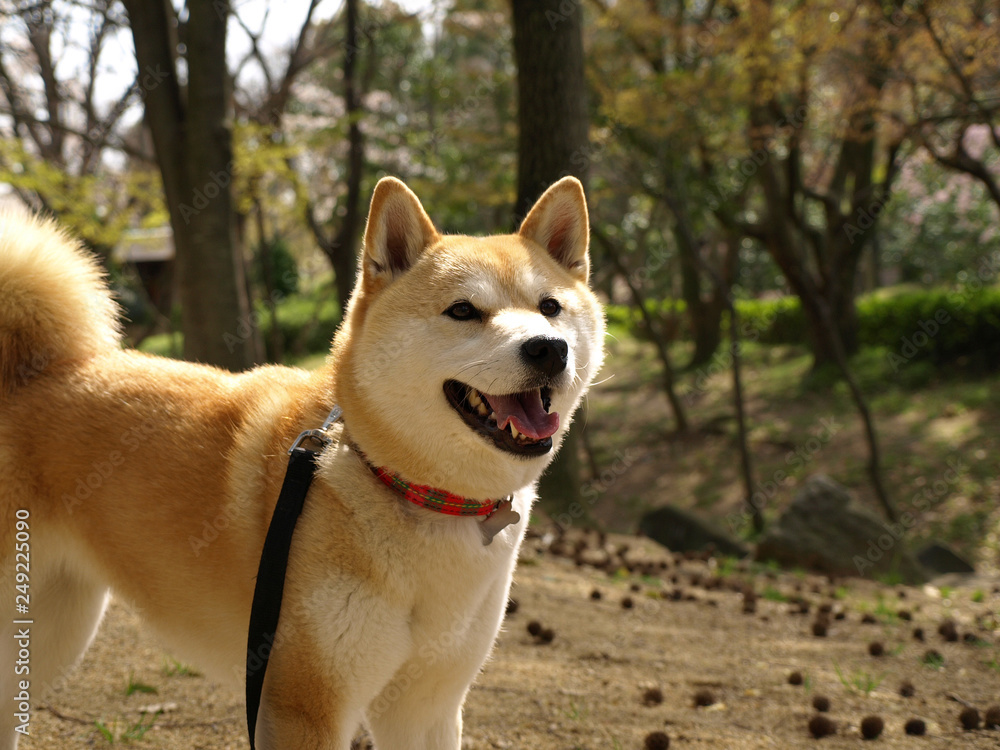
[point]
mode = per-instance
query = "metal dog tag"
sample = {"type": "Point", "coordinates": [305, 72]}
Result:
{"type": "Point", "coordinates": [498, 520]}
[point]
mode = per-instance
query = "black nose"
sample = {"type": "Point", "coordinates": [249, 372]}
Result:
{"type": "Point", "coordinates": [545, 354]}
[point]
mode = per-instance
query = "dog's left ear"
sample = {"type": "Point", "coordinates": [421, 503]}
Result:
{"type": "Point", "coordinates": [397, 232]}
{"type": "Point", "coordinates": [558, 222]}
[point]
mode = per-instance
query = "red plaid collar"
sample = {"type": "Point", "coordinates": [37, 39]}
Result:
{"type": "Point", "coordinates": [434, 499]}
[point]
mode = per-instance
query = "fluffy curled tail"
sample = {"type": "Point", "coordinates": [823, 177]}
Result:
{"type": "Point", "coordinates": [55, 306]}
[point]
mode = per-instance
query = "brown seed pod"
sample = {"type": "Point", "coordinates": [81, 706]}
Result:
{"type": "Point", "coordinates": [992, 720]}
{"type": "Point", "coordinates": [871, 727]}
{"type": "Point", "coordinates": [652, 697]}
{"type": "Point", "coordinates": [657, 741]}
{"type": "Point", "coordinates": [948, 630]}
{"type": "Point", "coordinates": [822, 726]}
{"type": "Point", "coordinates": [969, 719]}
{"type": "Point", "coordinates": [703, 698]}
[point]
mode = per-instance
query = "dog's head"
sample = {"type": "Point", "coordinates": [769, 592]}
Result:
{"type": "Point", "coordinates": [461, 359]}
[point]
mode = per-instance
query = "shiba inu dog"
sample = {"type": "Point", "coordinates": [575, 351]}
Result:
{"type": "Point", "coordinates": [458, 365]}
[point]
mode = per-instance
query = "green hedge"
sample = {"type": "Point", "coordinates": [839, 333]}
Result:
{"type": "Point", "coordinates": [307, 323]}
{"type": "Point", "coordinates": [772, 321]}
{"type": "Point", "coordinates": [937, 326]}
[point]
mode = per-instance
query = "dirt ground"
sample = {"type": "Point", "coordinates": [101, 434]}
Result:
{"type": "Point", "coordinates": [686, 632]}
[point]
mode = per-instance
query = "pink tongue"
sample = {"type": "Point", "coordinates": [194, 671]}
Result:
{"type": "Point", "coordinates": [525, 410]}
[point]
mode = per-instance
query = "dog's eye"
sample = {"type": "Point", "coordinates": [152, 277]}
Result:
{"type": "Point", "coordinates": [549, 307]}
{"type": "Point", "coordinates": [463, 311]}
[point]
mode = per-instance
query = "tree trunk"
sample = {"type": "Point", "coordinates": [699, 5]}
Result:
{"type": "Point", "coordinates": [552, 112]}
{"type": "Point", "coordinates": [704, 315]}
{"type": "Point", "coordinates": [214, 301]}
{"type": "Point", "coordinates": [552, 138]}
{"type": "Point", "coordinates": [341, 248]}
{"type": "Point", "coordinates": [193, 146]}
{"type": "Point", "coordinates": [277, 349]}
{"type": "Point", "coordinates": [344, 260]}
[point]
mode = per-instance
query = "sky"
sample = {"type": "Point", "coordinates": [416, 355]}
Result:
{"type": "Point", "coordinates": [117, 63]}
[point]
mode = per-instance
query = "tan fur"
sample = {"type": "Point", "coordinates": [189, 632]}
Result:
{"type": "Point", "coordinates": [156, 479]}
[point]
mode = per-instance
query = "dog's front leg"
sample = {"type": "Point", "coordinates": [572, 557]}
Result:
{"type": "Point", "coordinates": [302, 708]}
{"type": "Point", "coordinates": [426, 717]}
{"type": "Point", "coordinates": [421, 706]}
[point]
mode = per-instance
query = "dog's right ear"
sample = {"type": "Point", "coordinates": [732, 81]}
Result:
{"type": "Point", "coordinates": [397, 232]}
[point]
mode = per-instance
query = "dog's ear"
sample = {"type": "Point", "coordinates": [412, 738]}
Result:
{"type": "Point", "coordinates": [397, 232]}
{"type": "Point", "coordinates": [558, 222]}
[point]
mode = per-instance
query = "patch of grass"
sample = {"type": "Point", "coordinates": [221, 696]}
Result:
{"type": "Point", "coordinates": [882, 610]}
{"type": "Point", "coordinates": [175, 668]}
{"type": "Point", "coordinates": [123, 731]}
{"type": "Point", "coordinates": [575, 712]}
{"type": "Point", "coordinates": [135, 686]}
{"type": "Point", "coordinates": [726, 566]}
{"type": "Point", "coordinates": [105, 731]}
{"type": "Point", "coordinates": [932, 660]}
{"type": "Point", "coordinates": [994, 663]}
{"type": "Point", "coordinates": [773, 594]}
{"type": "Point", "coordinates": [978, 596]}
{"type": "Point", "coordinates": [163, 344]}
{"type": "Point", "coordinates": [309, 361]}
{"type": "Point", "coordinates": [890, 578]}
{"type": "Point", "coordinates": [860, 681]}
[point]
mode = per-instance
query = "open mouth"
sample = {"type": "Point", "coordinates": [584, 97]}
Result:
{"type": "Point", "coordinates": [518, 423]}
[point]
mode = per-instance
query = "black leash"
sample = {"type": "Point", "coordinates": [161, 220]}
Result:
{"type": "Point", "coordinates": [266, 608]}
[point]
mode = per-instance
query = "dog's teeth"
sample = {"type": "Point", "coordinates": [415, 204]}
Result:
{"type": "Point", "coordinates": [493, 416]}
{"type": "Point", "coordinates": [474, 398]}
{"type": "Point", "coordinates": [513, 431]}
{"type": "Point", "coordinates": [482, 409]}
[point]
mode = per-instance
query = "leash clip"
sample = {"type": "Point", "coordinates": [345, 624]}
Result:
{"type": "Point", "coordinates": [320, 435]}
